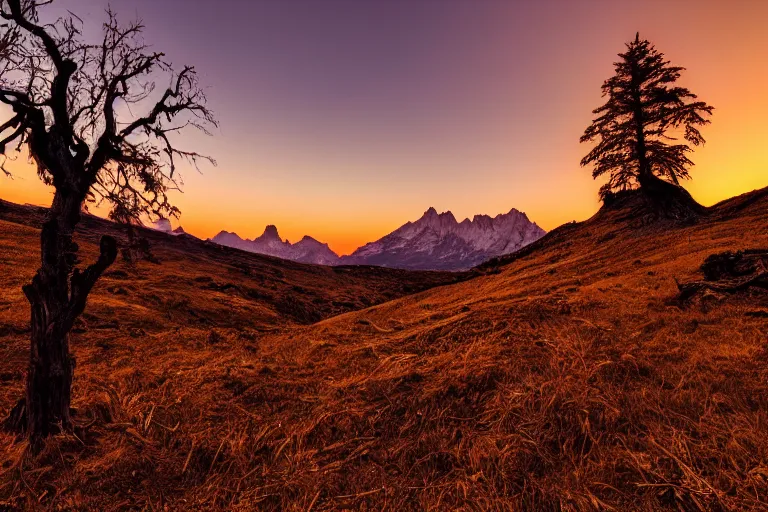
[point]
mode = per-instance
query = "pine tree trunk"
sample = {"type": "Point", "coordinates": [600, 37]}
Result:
{"type": "Point", "coordinates": [668, 200]}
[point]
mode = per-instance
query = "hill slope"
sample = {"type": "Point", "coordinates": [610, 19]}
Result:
{"type": "Point", "coordinates": [207, 284]}
{"type": "Point", "coordinates": [567, 378]}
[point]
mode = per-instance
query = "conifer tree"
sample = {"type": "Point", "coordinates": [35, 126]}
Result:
{"type": "Point", "coordinates": [638, 129]}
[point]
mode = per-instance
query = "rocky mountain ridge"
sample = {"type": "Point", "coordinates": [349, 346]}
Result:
{"type": "Point", "coordinates": [436, 241]}
{"type": "Point", "coordinates": [306, 250]}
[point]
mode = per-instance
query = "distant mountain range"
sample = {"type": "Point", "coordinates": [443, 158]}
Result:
{"type": "Point", "coordinates": [433, 242]}
{"type": "Point", "coordinates": [164, 225]}
{"type": "Point", "coordinates": [306, 250]}
{"type": "Point", "coordinates": [438, 242]}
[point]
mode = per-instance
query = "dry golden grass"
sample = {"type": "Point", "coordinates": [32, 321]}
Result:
{"type": "Point", "coordinates": [568, 378]}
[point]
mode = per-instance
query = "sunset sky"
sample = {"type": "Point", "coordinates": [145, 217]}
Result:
{"type": "Point", "coordinates": [344, 119]}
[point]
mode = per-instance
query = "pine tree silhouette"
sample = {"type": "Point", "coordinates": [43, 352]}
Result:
{"type": "Point", "coordinates": [638, 128]}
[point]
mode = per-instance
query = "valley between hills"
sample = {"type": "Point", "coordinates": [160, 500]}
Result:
{"type": "Point", "coordinates": [569, 375]}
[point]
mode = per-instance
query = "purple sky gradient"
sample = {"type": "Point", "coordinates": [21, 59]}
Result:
{"type": "Point", "coordinates": [342, 119]}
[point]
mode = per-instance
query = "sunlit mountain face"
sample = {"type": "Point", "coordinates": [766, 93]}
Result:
{"type": "Point", "coordinates": [439, 242]}
{"type": "Point", "coordinates": [433, 242]}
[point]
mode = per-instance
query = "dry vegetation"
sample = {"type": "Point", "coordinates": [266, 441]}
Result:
{"type": "Point", "coordinates": [567, 377]}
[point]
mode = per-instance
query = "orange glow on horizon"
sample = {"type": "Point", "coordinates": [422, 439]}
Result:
{"type": "Point", "coordinates": [504, 111]}
{"type": "Point", "coordinates": [708, 186]}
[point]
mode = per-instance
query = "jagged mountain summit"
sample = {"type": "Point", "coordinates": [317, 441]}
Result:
{"type": "Point", "coordinates": [437, 241]}
{"type": "Point", "coordinates": [434, 242]}
{"type": "Point", "coordinates": [306, 250]}
{"type": "Point", "coordinates": [164, 225]}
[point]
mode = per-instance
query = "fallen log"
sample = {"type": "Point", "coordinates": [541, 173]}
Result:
{"type": "Point", "coordinates": [730, 272]}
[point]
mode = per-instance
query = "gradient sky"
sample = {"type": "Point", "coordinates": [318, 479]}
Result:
{"type": "Point", "coordinates": [344, 119]}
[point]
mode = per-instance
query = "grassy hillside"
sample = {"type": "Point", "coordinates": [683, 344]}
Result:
{"type": "Point", "coordinates": [566, 377]}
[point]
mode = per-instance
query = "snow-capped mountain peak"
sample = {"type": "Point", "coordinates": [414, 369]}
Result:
{"type": "Point", "coordinates": [164, 225]}
{"type": "Point", "coordinates": [438, 241]}
{"type": "Point", "coordinates": [307, 250]}
{"type": "Point", "coordinates": [435, 241]}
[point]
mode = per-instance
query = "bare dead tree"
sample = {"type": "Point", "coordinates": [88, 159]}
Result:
{"type": "Point", "coordinates": [71, 105]}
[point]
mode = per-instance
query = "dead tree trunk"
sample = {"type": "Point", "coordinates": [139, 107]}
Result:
{"type": "Point", "coordinates": [57, 296]}
{"type": "Point", "coordinates": [71, 106]}
{"type": "Point", "coordinates": [730, 272]}
{"type": "Point", "coordinates": [49, 377]}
